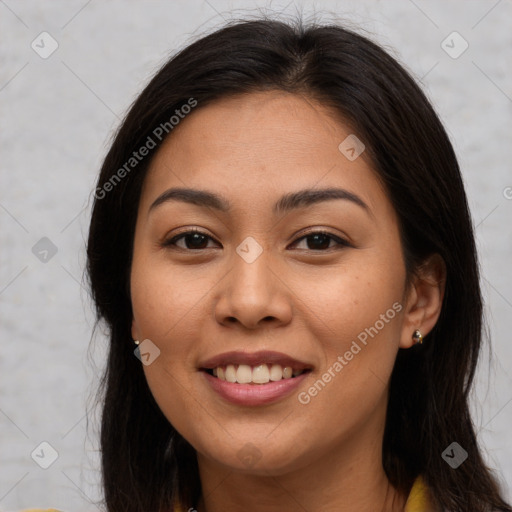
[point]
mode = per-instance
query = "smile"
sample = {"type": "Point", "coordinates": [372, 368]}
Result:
{"type": "Point", "coordinates": [257, 378]}
{"type": "Point", "coordinates": [259, 374]}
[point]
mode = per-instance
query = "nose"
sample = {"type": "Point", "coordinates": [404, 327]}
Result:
{"type": "Point", "coordinates": [254, 294]}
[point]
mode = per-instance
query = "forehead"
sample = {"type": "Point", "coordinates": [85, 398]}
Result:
{"type": "Point", "coordinates": [284, 123]}
{"type": "Point", "coordinates": [251, 145]}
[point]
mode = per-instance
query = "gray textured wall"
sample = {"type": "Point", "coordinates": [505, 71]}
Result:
{"type": "Point", "coordinates": [56, 116]}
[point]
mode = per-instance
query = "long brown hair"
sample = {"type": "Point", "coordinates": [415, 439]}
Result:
{"type": "Point", "coordinates": [145, 462]}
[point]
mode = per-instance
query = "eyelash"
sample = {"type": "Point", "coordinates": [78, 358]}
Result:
{"type": "Point", "coordinates": [340, 241]}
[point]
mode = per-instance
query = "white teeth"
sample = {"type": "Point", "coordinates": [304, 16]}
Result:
{"type": "Point", "coordinates": [261, 374]}
{"type": "Point", "coordinates": [230, 373]}
{"type": "Point", "coordinates": [244, 374]}
{"type": "Point", "coordinates": [276, 372]}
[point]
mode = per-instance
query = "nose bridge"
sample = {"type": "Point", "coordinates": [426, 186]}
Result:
{"type": "Point", "coordinates": [251, 270]}
{"type": "Point", "coordinates": [252, 292]}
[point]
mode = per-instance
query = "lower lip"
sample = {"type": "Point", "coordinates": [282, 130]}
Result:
{"type": "Point", "coordinates": [254, 394]}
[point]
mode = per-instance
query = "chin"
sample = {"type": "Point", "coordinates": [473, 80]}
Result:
{"type": "Point", "coordinates": [260, 459]}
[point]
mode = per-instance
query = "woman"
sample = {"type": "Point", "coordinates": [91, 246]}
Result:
{"type": "Point", "coordinates": [282, 238]}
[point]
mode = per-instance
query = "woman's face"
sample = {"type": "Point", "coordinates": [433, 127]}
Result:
{"type": "Point", "coordinates": [257, 295]}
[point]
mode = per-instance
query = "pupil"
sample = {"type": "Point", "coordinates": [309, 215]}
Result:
{"type": "Point", "coordinates": [197, 240]}
{"type": "Point", "coordinates": [316, 237]}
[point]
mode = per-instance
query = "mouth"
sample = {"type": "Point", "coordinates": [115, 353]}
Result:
{"type": "Point", "coordinates": [258, 368]}
{"type": "Point", "coordinates": [258, 374]}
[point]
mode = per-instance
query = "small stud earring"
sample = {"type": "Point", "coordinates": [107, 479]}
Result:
{"type": "Point", "coordinates": [136, 342]}
{"type": "Point", "coordinates": [417, 337]}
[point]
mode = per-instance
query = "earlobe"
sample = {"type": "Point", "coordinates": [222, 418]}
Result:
{"type": "Point", "coordinates": [424, 301]}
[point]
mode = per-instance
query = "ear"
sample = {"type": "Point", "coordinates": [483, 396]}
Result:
{"type": "Point", "coordinates": [424, 299]}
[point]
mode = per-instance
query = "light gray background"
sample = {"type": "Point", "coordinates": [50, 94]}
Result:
{"type": "Point", "coordinates": [57, 115]}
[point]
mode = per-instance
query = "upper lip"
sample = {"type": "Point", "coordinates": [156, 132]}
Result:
{"type": "Point", "coordinates": [254, 359]}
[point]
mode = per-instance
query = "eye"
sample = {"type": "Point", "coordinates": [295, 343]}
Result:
{"type": "Point", "coordinates": [315, 240]}
{"type": "Point", "coordinates": [320, 240]}
{"type": "Point", "coordinates": [194, 239]}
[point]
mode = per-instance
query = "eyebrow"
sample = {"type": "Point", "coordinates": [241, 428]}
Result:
{"type": "Point", "coordinates": [288, 202]}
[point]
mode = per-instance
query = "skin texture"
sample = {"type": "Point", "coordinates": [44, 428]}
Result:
{"type": "Point", "coordinates": [308, 303]}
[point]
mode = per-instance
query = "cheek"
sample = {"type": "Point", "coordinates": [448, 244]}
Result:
{"type": "Point", "coordinates": [164, 299]}
{"type": "Point", "coordinates": [353, 297]}
{"type": "Point", "coordinates": [358, 311]}
{"type": "Point", "coordinates": [164, 310]}
{"type": "Point", "coordinates": [359, 351]}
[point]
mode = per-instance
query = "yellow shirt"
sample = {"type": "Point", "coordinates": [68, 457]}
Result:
{"type": "Point", "coordinates": [416, 502]}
